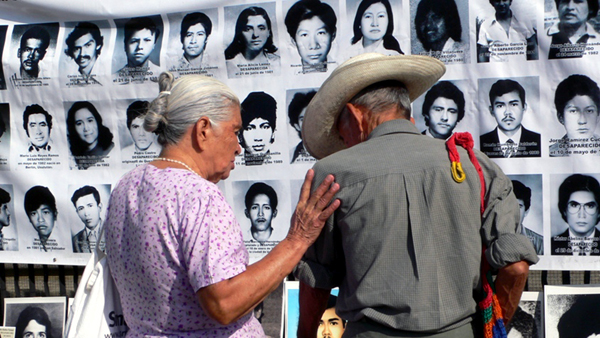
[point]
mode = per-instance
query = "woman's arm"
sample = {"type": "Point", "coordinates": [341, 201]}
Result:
{"type": "Point", "coordinates": [228, 300]}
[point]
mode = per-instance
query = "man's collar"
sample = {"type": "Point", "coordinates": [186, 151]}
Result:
{"type": "Point", "coordinates": [394, 126]}
{"type": "Point", "coordinates": [502, 137]}
{"type": "Point", "coordinates": [33, 147]}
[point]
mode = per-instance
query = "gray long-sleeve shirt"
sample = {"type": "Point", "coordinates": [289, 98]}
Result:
{"type": "Point", "coordinates": [405, 245]}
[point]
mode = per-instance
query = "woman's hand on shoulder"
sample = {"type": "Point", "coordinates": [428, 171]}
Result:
{"type": "Point", "coordinates": [313, 209]}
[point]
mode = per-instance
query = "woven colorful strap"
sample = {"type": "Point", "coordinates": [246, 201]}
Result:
{"type": "Point", "coordinates": [493, 321]}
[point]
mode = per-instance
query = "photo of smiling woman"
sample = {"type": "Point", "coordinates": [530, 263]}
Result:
{"type": "Point", "coordinates": [89, 139]}
{"type": "Point", "coordinates": [252, 51]}
{"type": "Point", "coordinates": [373, 28]}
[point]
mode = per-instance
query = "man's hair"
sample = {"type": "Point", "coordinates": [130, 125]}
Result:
{"type": "Point", "coordinates": [259, 188]}
{"type": "Point", "coordinates": [238, 45]}
{"type": "Point", "coordinates": [574, 183]}
{"type": "Point", "coordinates": [259, 105]}
{"type": "Point", "coordinates": [505, 86]}
{"type": "Point", "coordinates": [389, 41]}
{"type": "Point", "coordinates": [572, 86]}
{"type": "Point", "coordinates": [4, 197]}
{"type": "Point", "coordinates": [306, 10]}
{"type": "Point", "coordinates": [331, 303]}
{"type": "Point", "coordinates": [35, 109]}
{"type": "Point", "coordinates": [448, 90]}
{"type": "Point", "coordinates": [80, 30]}
{"type": "Point", "coordinates": [78, 147]}
{"type": "Point", "coordinates": [382, 96]}
{"type": "Point", "coordinates": [592, 7]}
{"type": "Point", "coordinates": [522, 192]}
{"type": "Point", "coordinates": [134, 25]}
{"type": "Point", "coordinates": [447, 10]}
{"type": "Point", "coordinates": [136, 109]}
{"type": "Point", "coordinates": [33, 313]}
{"type": "Point", "coordinates": [38, 33]}
{"type": "Point", "coordinates": [192, 19]}
{"type": "Point", "coordinates": [581, 319]}
{"type": "Point", "coordinates": [37, 196]}
{"type": "Point", "coordinates": [84, 191]}
{"type": "Point", "coordinates": [299, 102]}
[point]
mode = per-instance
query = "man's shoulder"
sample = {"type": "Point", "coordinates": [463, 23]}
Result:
{"type": "Point", "coordinates": [491, 136]}
{"type": "Point", "coordinates": [530, 135]}
{"type": "Point", "coordinates": [80, 235]}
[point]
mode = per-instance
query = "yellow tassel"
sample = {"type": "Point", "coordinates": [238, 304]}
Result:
{"type": "Point", "coordinates": [458, 174]}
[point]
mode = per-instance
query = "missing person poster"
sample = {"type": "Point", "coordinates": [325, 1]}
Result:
{"type": "Point", "coordinates": [75, 80]}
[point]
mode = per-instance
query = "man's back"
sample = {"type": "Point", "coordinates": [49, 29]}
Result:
{"type": "Point", "coordinates": [405, 245]}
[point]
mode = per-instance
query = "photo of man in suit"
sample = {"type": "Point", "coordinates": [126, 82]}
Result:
{"type": "Point", "coordinates": [37, 123]}
{"type": "Point", "coordinates": [523, 194]}
{"type": "Point", "coordinates": [578, 199]}
{"type": "Point", "coordinates": [40, 207]}
{"type": "Point", "coordinates": [510, 138]}
{"type": "Point", "coordinates": [89, 209]}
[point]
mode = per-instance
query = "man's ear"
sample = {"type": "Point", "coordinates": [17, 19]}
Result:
{"type": "Point", "coordinates": [525, 213]}
{"type": "Point", "coordinates": [356, 116]}
{"type": "Point", "coordinates": [247, 213]}
{"type": "Point", "coordinates": [294, 42]}
{"type": "Point", "coordinates": [100, 206]}
{"type": "Point", "coordinates": [203, 131]}
{"type": "Point", "coordinates": [42, 54]}
{"type": "Point", "coordinates": [492, 110]}
{"type": "Point", "coordinates": [274, 213]}
{"type": "Point", "coordinates": [524, 107]}
{"type": "Point", "coordinates": [19, 53]}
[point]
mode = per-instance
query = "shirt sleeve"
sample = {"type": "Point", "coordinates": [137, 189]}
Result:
{"type": "Point", "coordinates": [323, 264]}
{"type": "Point", "coordinates": [501, 229]}
{"type": "Point", "coordinates": [211, 240]}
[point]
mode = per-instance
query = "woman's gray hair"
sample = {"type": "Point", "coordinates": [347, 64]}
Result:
{"type": "Point", "coordinates": [182, 102]}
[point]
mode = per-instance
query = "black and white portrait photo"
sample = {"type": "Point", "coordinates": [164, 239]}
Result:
{"type": "Point", "coordinates": [439, 30]}
{"type": "Point", "coordinates": [137, 60]}
{"type": "Point", "coordinates": [191, 41]}
{"type": "Point", "coordinates": [259, 206]}
{"type": "Point", "coordinates": [573, 34]}
{"type": "Point", "coordinates": [298, 100]}
{"type": "Point", "coordinates": [33, 47]}
{"type": "Point", "coordinates": [89, 204]}
{"type": "Point", "coordinates": [8, 226]}
{"type": "Point", "coordinates": [576, 100]}
{"type": "Point", "coordinates": [251, 48]}
{"type": "Point", "coordinates": [4, 135]}
{"type": "Point", "coordinates": [39, 317]}
{"type": "Point", "coordinates": [511, 107]}
{"type": "Point", "coordinates": [257, 136]}
{"type": "Point", "coordinates": [42, 212]}
{"type": "Point", "coordinates": [312, 28]}
{"type": "Point", "coordinates": [575, 215]}
{"type": "Point", "coordinates": [90, 139]}
{"type": "Point", "coordinates": [528, 190]}
{"type": "Point", "coordinates": [572, 311]}
{"type": "Point", "coordinates": [528, 320]}
{"type": "Point", "coordinates": [3, 30]}
{"type": "Point", "coordinates": [506, 33]}
{"type": "Point", "coordinates": [138, 145]}
{"type": "Point", "coordinates": [83, 63]}
{"type": "Point", "coordinates": [372, 27]}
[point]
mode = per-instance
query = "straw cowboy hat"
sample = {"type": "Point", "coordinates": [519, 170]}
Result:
{"type": "Point", "coordinates": [319, 129]}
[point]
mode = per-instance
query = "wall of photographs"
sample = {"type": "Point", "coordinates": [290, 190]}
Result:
{"type": "Point", "coordinates": [75, 76]}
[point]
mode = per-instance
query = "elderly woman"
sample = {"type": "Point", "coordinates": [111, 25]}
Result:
{"type": "Point", "coordinates": [175, 249]}
{"type": "Point", "coordinates": [90, 141]}
{"type": "Point", "coordinates": [252, 42]}
{"type": "Point", "coordinates": [577, 100]}
{"type": "Point", "coordinates": [373, 28]}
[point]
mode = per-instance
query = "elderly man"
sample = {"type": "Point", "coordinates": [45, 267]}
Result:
{"type": "Point", "coordinates": [405, 245]}
{"type": "Point", "coordinates": [84, 45]}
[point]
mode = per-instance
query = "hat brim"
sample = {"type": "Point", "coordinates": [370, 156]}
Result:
{"type": "Point", "coordinates": [319, 132]}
